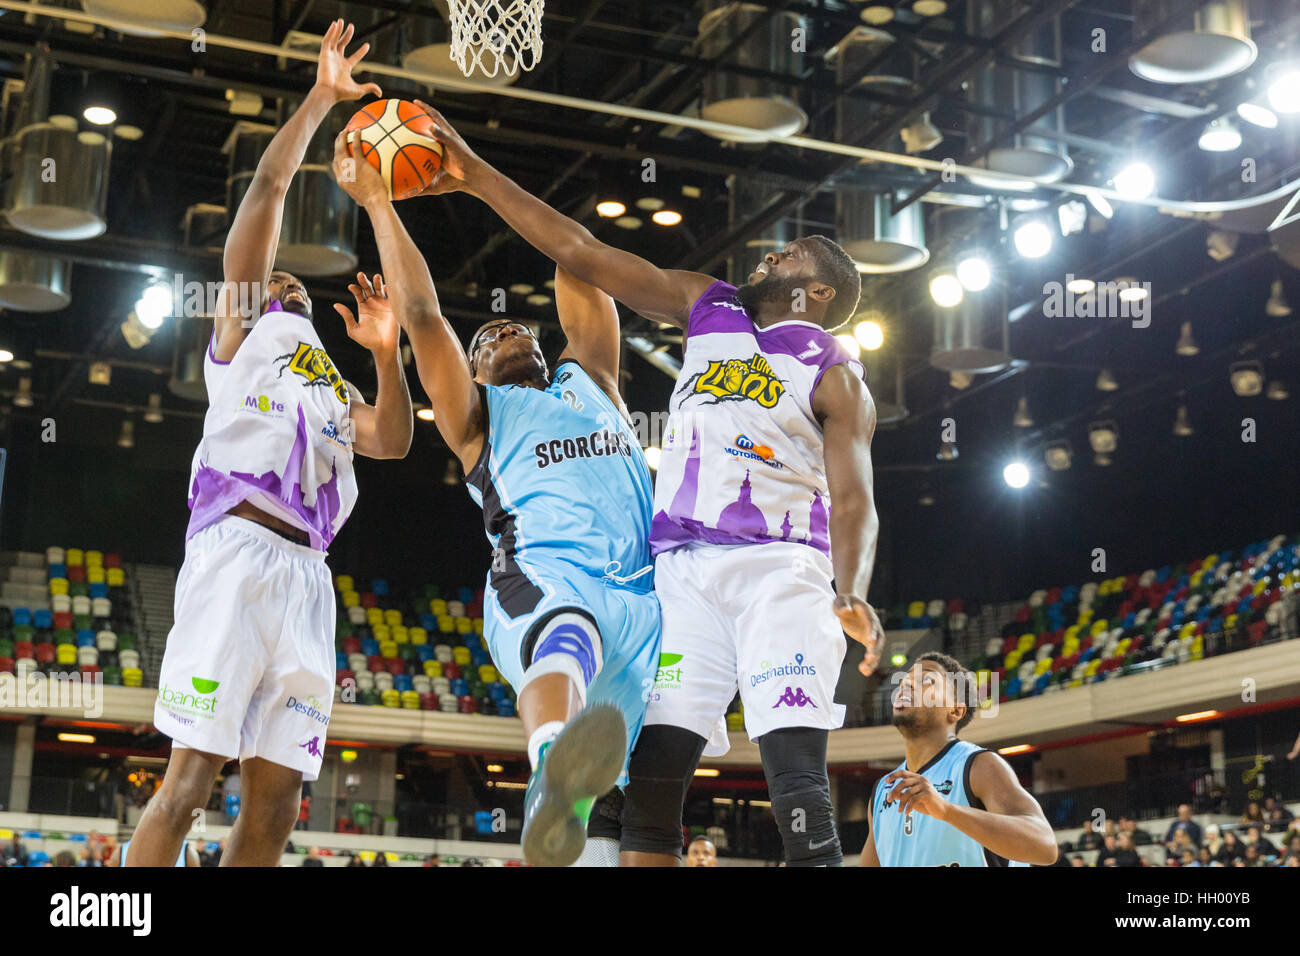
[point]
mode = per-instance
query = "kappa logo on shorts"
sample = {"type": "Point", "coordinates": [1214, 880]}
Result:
{"type": "Point", "coordinates": [313, 746]}
{"type": "Point", "coordinates": [794, 697]}
{"type": "Point", "coordinates": [315, 366]}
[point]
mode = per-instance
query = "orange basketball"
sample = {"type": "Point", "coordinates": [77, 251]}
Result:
{"type": "Point", "coordinates": [397, 139]}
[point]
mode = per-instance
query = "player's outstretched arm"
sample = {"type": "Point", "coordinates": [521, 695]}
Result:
{"type": "Point", "coordinates": [385, 429]}
{"type": "Point", "coordinates": [439, 360]}
{"type": "Point", "coordinates": [255, 232]}
{"type": "Point", "coordinates": [1012, 825]}
{"type": "Point", "coordinates": [848, 417]}
{"type": "Point", "coordinates": [665, 295]}
{"type": "Point", "coordinates": [589, 319]}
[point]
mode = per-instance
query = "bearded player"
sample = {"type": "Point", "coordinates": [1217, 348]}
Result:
{"type": "Point", "coordinates": [770, 423]}
{"type": "Point", "coordinates": [249, 667]}
{"type": "Point", "coordinates": [570, 615]}
{"type": "Point", "coordinates": [950, 802]}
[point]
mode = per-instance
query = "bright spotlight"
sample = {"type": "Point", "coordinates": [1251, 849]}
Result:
{"type": "Point", "coordinates": [652, 455]}
{"type": "Point", "coordinates": [666, 217]}
{"type": "Point", "coordinates": [1284, 93]}
{"type": "Point", "coordinates": [850, 344]}
{"type": "Point", "coordinates": [1219, 136]}
{"type": "Point", "coordinates": [610, 209]}
{"type": "Point", "coordinates": [946, 290]}
{"type": "Point", "coordinates": [154, 306]}
{"type": "Point", "coordinates": [869, 335]}
{"type": "Point", "coordinates": [99, 115]}
{"type": "Point", "coordinates": [1033, 239]}
{"type": "Point", "coordinates": [1135, 181]}
{"type": "Point", "coordinates": [425, 414]}
{"type": "Point", "coordinates": [974, 273]}
{"type": "Point", "coordinates": [1016, 474]}
{"type": "Point", "coordinates": [1258, 115]}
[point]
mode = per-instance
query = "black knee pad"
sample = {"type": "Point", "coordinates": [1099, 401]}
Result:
{"type": "Point", "coordinates": [659, 775]}
{"type": "Point", "coordinates": [794, 762]}
{"type": "Point", "coordinates": [606, 816]}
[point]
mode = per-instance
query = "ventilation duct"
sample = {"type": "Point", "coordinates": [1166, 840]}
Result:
{"type": "Point", "coordinates": [31, 283]}
{"type": "Point", "coordinates": [58, 178]}
{"type": "Point", "coordinates": [1207, 41]}
{"type": "Point", "coordinates": [766, 106]}
{"type": "Point", "coordinates": [879, 239]}
{"type": "Point", "coordinates": [319, 227]}
{"type": "Point", "coordinates": [1037, 153]}
{"type": "Point", "coordinates": [204, 227]}
{"type": "Point", "coordinates": [884, 372]}
{"type": "Point", "coordinates": [427, 49]}
{"type": "Point", "coordinates": [147, 17]}
{"type": "Point", "coordinates": [973, 337]}
{"type": "Point", "coordinates": [193, 334]}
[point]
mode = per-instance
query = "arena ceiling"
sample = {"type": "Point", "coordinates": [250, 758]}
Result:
{"type": "Point", "coordinates": [650, 55]}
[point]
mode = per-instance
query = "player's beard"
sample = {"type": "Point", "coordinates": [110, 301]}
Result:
{"type": "Point", "coordinates": [905, 720]}
{"type": "Point", "coordinates": [297, 307]}
{"type": "Point", "coordinates": [769, 289]}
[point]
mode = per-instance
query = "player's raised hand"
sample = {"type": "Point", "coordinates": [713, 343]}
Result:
{"type": "Point", "coordinates": [914, 793]}
{"type": "Point", "coordinates": [458, 160]}
{"type": "Point", "coordinates": [334, 70]}
{"type": "Point", "coordinates": [859, 620]}
{"type": "Point", "coordinates": [374, 327]}
{"type": "Point", "coordinates": [355, 176]}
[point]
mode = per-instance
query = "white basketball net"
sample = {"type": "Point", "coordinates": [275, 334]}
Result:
{"type": "Point", "coordinates": [492, 35]}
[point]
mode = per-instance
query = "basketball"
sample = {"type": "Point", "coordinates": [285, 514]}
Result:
{"type": "Point", "coordinates": [397, 139]}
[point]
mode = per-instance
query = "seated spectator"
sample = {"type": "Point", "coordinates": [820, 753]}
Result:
{"type": "Point", "coordinates": [1184, 822]}
{"type": "Point", "coordinates": [1253, 856]}
{"type": "Point", "coordinates": [1140, 837]}
{"type": "Point", "coordinates": [1127, 854]}
{"type": "Point", "coordinates": [1204, 857]}
{"type": "Point", "coordinates": [1254, 813]}
{"type": "Point", "coordinates": [1188, 857]}
{"type": "Point", "coordinates": [433, 860]}
{"type": "Point", "coordinates": [1077, 860]}
{"type": "Point", "coordinates": [1232, 850]}
{"type": "Point", "coordinates": [1181, 842]}
{"type": "Point", "coordinates": [1292, 848]}
{"type": "Point", "coordinates": [1110, 846]}
{"type": "Point", "coordinates": [1213, 839]}
{"type": "Point", "coordinates": [356, 861]}
{"type": "Point", "coordinates": [313, 858]}
{"type": "Point", "coordinates": [65, 858]}
{"type": "Point", "coordinates": [1255, 837]}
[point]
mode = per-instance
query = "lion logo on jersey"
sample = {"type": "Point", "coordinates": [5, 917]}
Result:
{"type": "Point", "coordinates": [315, 366]}
{"type": "Point", "coordinates": [737, 380]}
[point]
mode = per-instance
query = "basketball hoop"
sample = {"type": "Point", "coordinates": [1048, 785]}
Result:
{"type": "Point", "coordinates": [492, 35]}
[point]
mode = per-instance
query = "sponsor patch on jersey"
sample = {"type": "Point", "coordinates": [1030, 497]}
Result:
{"type": "Point", "coordinates": [314, 366]}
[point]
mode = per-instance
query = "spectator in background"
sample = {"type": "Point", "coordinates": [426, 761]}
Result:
{"type": "Point", "coordinates": [1204, 857]}
{"type": "Point", "coordinates": [1253, 856]}
{"type": "Point", "coordinates": [313, 858]}
{"type": "Point", "coordinates": [1180, 844]}
{"type": "Point", "coordinates": [1231, 851]}
{"type": "Point", "coordinates": [1256, 838]}
{"type": "Point", "coordinates": [1110, 846]}
{"type": "Point", "coordinates": [1277, 818]}
{"type": "Point", "coordinates": [1077, 860]}
{"type": "Point", "coordinates": [1295, 750]}
{"type": "Point", "coordinates": [356, 861]}
{"type": "Point", "coordinates": [701, 852]}
{"type": "Point", "coordinates": [1292, 847]}
{"type": "Point", "coordinates": [381, 859]}
{"type": "Point", "coordinates": [1140, 837]}
{"type": "Point", "coordinates": [1185, 823]}
{"type": "Point", "coordinates": [433, 860]}
{"type": "Point", "coordinates": [1188, 858]}
{"type": "Point", "coordinates": [1254, 813]}
{"type": "Point", "coordinates": [1213, 839]}
{"type": "Point", "coordinates": [65, 858]}
{"type": "Point", "coordinates": [1127, 854]}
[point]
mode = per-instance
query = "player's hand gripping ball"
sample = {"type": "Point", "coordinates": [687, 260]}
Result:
{"type": "Point", "coordinates": [397, 139]}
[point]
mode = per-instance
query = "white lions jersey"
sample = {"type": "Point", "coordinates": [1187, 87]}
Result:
{"type": "Point", "coordinates": [741, 415]}
{"type": "Point", "coordinates": [277, 433]}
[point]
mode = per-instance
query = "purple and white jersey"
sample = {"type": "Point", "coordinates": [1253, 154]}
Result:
{"type": "Point", "coordinates": [278, 432]}
{"type": "Point", "coordinates": [743, 459]}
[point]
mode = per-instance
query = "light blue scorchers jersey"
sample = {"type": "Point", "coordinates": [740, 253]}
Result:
{"type": "Point", "coordinates": [920, 840]}
{"type": "Point", "coordinates": [561, 478]}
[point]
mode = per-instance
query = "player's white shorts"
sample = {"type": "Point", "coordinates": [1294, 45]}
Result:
{"type": "Point", "coordinates": [755, 616]}
{"type": "Point", "coordinates": [249, 666]}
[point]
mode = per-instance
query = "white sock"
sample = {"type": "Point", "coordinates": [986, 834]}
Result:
{"type": "Point", "coordinates": [541, 736]}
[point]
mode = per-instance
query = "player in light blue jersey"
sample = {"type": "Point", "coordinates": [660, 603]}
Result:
{"type": "Point", "coordinates": [950, 803]}
{"type": "Point", "coordinates": [570, 614]}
